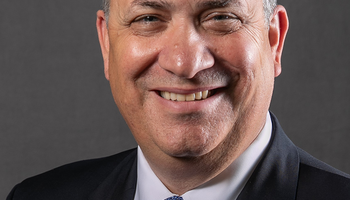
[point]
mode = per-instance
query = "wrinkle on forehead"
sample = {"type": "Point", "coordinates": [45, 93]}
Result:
{"type": "Point", "coordinates": [199, 4]}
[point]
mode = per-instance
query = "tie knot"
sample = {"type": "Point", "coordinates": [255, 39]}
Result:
{"type": "Point", "coordinates": [174, 198]}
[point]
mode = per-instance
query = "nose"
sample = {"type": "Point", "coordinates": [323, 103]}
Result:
{"type": "Point", "coordinates": [185, 53]}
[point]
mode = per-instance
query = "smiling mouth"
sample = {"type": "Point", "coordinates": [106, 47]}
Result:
{"type": "Point", "coordinates": [198, 96]}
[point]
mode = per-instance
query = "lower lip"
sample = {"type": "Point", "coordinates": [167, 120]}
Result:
{"type": "Point", "coordinates": [183, 107]}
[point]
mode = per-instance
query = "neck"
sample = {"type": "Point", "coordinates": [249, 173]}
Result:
{"type": "Point", "coordinates": [182, 174]}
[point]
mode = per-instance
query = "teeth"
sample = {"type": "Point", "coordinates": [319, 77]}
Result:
{"type": "Point", "coordinates": [173, 96]}
{"type": "Point", "coordinates": [205, 94]}
{"type": "Point", "coordinates": [181, 97]}
{"type": "Point", "coordinates": [198, 95]}
{"type": "Point", "coordinates": [185, 97]}
{"type": "Point", "coordinates": [190, 97]}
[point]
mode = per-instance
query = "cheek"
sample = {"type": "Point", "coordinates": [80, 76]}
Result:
{"type": "Point", "coordinates": [129, 59]}
{"type": "Point", "coordinates": [240, 57]}
{"type": "Point", "coordinates": [245, 59]}
{"type": "Point", "coordinates": [237, 53]}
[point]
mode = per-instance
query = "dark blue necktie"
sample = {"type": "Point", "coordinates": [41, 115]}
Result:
{"type": "Point", "coordinates": [174, 198]}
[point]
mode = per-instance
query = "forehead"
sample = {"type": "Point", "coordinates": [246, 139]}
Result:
{"type": "Point", "coordinates": [126, 5]}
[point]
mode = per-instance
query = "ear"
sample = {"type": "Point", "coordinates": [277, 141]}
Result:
{"type": "Point", "coordinates": [102, 30]}
{"type": "Point", "coordinates": [277, 34]}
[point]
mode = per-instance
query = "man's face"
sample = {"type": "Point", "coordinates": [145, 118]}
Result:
{"type": "Point", "coordinates": [190, 77]}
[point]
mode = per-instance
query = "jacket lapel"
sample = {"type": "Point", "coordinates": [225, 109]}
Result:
{"type": "Point", "coordinates": [121, 183]}
{"type": "Point", "coordinates": [276, 176]}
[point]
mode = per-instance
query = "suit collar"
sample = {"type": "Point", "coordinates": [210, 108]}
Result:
{"type": "Point", "coordinates": [121, 183]}
{"type": "Point", "coordinates": [276, 176]}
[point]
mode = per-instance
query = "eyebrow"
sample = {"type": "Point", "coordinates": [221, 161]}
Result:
{"type": "Point", "coordinates": [216, 3]}
{"type": "Point", "coordinates": [159, 4]}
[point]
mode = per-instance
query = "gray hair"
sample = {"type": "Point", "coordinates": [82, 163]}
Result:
{"type": "Point", "coordinates": [269, 6]}
{"type": "Point", "coordinates": [105, 8]}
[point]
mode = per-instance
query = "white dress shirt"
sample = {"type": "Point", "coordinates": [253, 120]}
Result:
{"type": "Point", "coordinates": [226, 186]}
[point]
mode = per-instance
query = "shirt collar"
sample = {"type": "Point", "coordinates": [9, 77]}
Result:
{"type": "Point", "coordinates": [226, 186]}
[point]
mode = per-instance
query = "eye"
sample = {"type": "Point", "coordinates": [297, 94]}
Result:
{"type": "Point", "coordinates": [147, 19]}
{"type": "Point", "coordinates": [148, 25]}
{"type": "Point", "coordinates": [221, 17]}
{"type": "Point", "coordinates": [221, 22]}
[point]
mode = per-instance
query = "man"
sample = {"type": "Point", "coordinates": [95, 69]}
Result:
{"type": "Point", "coordinates": [193, 80]}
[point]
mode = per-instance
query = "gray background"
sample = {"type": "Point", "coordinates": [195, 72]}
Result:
{"type": "Point", "coordinates": [56, 107]}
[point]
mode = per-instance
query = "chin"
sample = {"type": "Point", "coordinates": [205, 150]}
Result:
{"type": "Point", "coordinates": [187, 153]}
{"type": "Point", "coordinates": [189, 148]}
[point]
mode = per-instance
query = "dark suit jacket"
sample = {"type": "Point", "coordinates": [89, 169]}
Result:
{"type": "Point", "coordinates": [285, 172]}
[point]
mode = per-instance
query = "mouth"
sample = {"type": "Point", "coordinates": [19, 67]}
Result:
{"type": "Point", "coordinates": [197, 96]}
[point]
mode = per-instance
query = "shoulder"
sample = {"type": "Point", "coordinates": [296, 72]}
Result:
{"type": "Point", "coordinates": [73, 180]}
{"type": "Point", "coordinates": [318, 180]}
